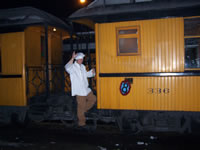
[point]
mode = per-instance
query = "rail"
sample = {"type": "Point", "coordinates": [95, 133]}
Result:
{"type": "Point", "coordinates": [59, 81]}
{"type": "Point", "coordinates": [36, 80]}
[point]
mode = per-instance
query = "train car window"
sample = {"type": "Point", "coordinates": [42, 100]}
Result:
{"type": "Point", "coordinates": [192, 27]}
{"type": "Point", "coordinates": [130, 31]}
{"type": "Point", "coordinates": [192, 43]}
{"type": "Point", "coordinates": [192, 53]}
{"type": "Point", "coordinates": [128, 41]}
{"type": "Point", "coordinates": [42, 40]}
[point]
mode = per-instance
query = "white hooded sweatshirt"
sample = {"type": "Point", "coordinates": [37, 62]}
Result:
{"type": "Point", "coordinates": [78, 77]}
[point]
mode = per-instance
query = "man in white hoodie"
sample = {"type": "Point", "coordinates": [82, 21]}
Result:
{"type": "Point", "coordinates": [79, 86]}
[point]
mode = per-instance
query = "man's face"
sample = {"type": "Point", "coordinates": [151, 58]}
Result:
{"type": "Point", "coordinates": [80, 61]}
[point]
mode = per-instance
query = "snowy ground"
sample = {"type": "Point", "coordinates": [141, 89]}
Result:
{"type": "Point", "coordinates": [55, 136]}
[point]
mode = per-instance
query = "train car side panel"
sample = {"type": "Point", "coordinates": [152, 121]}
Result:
{"type": "Point", "coordinates": [12, 55]}
{"type": "Point", "coordinates": [12, 81]}
{"type": "Point", "coordinates": [56, 49]}
{"type": "Point", "coordinates": [161, 50]}
{"type": "Point", "coordinates": [151, 93]}
{"type": "Point", "coordinates": [161, 45]}
{"type": "Point", "coordinates": [12, 92]}
{"type": "Point", "coordinates": [33, 46]}
{"type": "Point", "coordinates": [97, 66]}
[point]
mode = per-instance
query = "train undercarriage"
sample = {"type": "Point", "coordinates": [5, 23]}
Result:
{"type": "Point", "coordinates": [63, 108]}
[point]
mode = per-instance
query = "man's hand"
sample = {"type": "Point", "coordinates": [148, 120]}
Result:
{"type": "Point", "coordinates": [73, 55]}
{"type": "Point", "coordinates": [72, 59]}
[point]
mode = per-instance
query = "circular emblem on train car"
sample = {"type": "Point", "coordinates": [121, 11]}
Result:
{"type": "Point", "coordinates": [125, 87]}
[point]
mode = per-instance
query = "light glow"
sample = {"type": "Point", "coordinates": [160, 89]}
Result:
{"type": "Point", "coordinates": [82, 1]}
{"type": "Point", "coordinates": [54, 29]}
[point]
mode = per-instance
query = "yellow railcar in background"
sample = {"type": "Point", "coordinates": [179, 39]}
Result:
{"type": "Point", "coordinates": [147, 62]}
{"type": "Point", "coordinates": [30, 58]}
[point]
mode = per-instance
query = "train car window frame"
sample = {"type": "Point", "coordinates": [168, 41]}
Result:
{"type": "Point", "coordinates": [130, 34]}
{"type": "Point", "coordinates": [192, 43]}
{"type": "Point", "coordinates": [42, 49]}
{"type": "Point", "coordinates": [42, 42]}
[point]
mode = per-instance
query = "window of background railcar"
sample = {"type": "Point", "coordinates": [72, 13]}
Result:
{"type": "Point", "coordinates": [192, 43]}
{"type": "Point", "coordinates": [42, 41]}
{"type": "Point", "coordinates": [128, 41]}
{"type": "Point", "coordinates": [43, 48]}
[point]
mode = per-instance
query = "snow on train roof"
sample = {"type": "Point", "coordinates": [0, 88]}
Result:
{"type": "Point", "coordinates": [26, 16]}
{"type": "Point", "coordinates": [103, 10]}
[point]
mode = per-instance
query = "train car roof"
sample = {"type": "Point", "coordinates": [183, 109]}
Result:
{"type": "Point", "coordinates": [19, 18]}
{"type": "Point", "coordinates": [123, 10]}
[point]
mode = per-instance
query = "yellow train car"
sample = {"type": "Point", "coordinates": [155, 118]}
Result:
{"type": "Point", "coordinates": [147, 62]}
{"type": "Point", "coordinates": [30, 53]}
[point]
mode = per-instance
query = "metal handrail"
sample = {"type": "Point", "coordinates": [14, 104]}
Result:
{"type": "Point", "coordinates": [59, 80]}
{"type": "Point", "coordinates": [36, 80]}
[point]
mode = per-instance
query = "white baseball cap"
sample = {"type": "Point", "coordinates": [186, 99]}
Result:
{"type": "Point", "coordinates": [79, 56]}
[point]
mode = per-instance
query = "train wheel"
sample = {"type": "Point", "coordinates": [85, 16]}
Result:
{"type": "Point", "coordinates": [16, 121]}
{"type": "Point", "coordinates": [68, 124]}
{"type": "Point", "coordinates": [185, 125]}
{"type": "Point", "coordinates": [128, 124]}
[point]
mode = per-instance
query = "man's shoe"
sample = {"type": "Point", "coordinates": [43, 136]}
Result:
{"type": "Point", "coordinates": [83, 128]}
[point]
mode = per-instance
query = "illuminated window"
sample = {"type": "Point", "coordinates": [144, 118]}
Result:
{"type": "Point", "coordinates": [192, 42]}
{"type": "Point", "coordinates": [128, 41]}
{"type": "Point", "coordinates": [42, 41]}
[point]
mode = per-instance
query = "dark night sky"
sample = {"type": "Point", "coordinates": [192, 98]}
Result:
{"type": "Point", "coordinates": [59, 8]}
